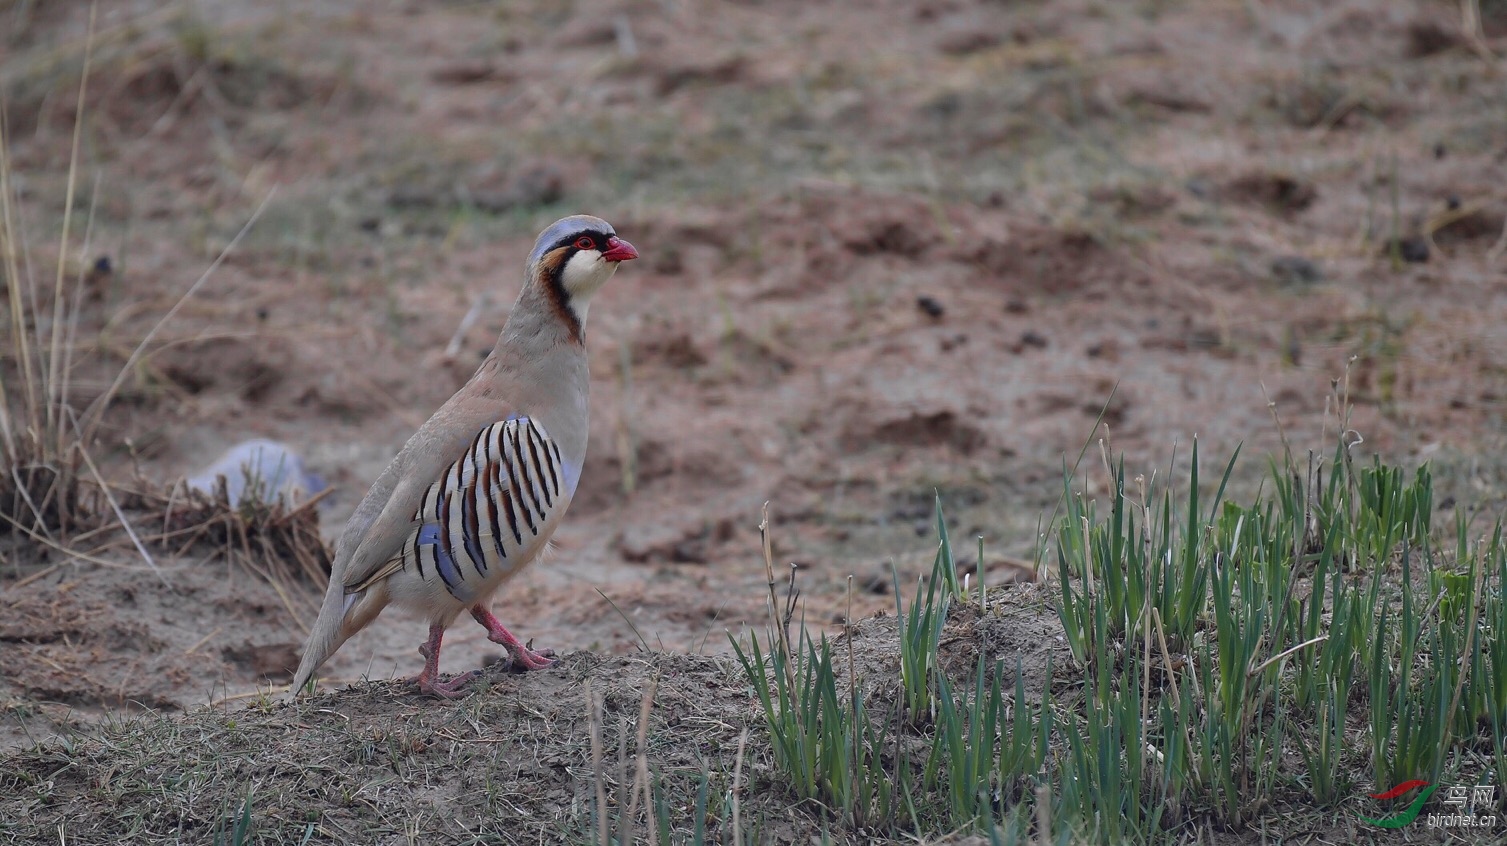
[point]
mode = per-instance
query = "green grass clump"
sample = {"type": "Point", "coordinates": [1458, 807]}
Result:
{"type": "Point", "coordinates": [823, 741]}
{"type": "Point", "coordinates": [1211, 641]}
{"type": "Point", "coordinates": [934, 759]}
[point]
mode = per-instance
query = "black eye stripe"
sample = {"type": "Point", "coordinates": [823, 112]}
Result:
{"type": "Point", "coordinates": [599, 238]}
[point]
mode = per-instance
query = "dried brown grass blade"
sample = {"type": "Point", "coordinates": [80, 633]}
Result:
{"type": "Point", "coordinates": [95, 412]}
{"type": "Point", "coordinates": [737, 782]}
{"type": "Point", "coordinates": [20, 336]}
{"type": "Point", "coordinates": [594, 716]}
{"type": "Point", "coordinates": [641, 776]}
{"type": "Point", "coordinates": [119, 514]}
{"type": "Point", "coordinates": [55, 359]}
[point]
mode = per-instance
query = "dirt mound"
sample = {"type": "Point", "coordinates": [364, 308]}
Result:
{"type": "Point", "coordinates": [514, 760]}
{"type": "Point", "coordinates": [65, 650]}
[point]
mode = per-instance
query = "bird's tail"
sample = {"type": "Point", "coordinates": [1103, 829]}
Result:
{"type": "Point", "coordinates": [335, 624]}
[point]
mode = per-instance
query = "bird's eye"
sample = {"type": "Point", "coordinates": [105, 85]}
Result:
{"type": "Point", "coordinates": [585, 243]}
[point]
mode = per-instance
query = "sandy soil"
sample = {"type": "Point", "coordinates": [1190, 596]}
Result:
{"type": "Point", "coordinates": [889, 251]}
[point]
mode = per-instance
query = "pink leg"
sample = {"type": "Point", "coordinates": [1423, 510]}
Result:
{"type": "Point", "coordinates": [428, 681]}
{"type": "Point", "coordinates": [521, 655]}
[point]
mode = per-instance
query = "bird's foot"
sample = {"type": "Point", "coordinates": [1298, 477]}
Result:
{"type": "Point", "coordinates": [452, 689]}
{"type": "Point", "coordinates": [522, 658]}
{"type": "Point", "coordinates": [429, 681]}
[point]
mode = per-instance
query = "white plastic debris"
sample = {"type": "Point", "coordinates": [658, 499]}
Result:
{"type": "Point", "coordinates": [259, 470]}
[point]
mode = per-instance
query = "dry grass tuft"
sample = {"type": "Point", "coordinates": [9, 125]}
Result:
{"type": "Point", "coordinates": [274, 540]}
{"type": "Point", "coordinates": [40, 494]}
{"type": "Point", "coordinates": [51, 490]}
{"type": "Point", "coordinates": [40, 475]}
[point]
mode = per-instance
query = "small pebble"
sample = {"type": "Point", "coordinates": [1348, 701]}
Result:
{"type": "Point", "coordinates": [1295, 270]}
{"type": "Point", "coordinates": [1413, 249]}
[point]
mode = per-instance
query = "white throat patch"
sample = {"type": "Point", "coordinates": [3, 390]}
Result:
{"type": "Point", "coordinates": [583, 275]}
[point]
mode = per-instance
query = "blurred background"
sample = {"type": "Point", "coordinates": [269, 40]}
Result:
{"type": "Point", "coordinates": [891, 252]}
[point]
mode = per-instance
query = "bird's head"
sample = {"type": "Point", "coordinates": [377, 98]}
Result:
{"type": "Point", "coordinates": [573, 258]}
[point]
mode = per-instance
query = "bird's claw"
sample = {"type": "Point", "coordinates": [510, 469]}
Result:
{"type": "Point", "coordinates": [452, 689]}
{"type": "Point", "coordinates": [521, 656]}
{"type": "Point", "coordinates": [528, 659]}
{"type": "Point", "coordinates": [523, 659]}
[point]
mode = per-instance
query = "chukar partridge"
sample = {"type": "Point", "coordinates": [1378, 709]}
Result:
{"type": "Point", "coordinates": [477, 491]}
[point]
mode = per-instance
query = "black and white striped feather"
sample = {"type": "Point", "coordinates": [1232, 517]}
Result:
{"type": "Point", "coordinates": [489, 507]}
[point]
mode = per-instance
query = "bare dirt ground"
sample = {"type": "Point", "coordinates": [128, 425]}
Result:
{"type": "Point", "coordinates": [889, 250]}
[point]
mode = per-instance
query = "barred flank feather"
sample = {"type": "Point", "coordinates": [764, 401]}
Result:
{"type": "Point", "coordinates": [486, 507]}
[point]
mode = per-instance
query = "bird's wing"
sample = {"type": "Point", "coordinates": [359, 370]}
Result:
{"type": "Point", "coordinates": [377, 538]}
{"type": "Point", "coordinates": [486, 509]}
{"type": "Point", "coordinates": [386, 514]}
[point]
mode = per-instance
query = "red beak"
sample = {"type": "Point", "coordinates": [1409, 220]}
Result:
{"type": "Point", "coordinates": [619, 250]}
